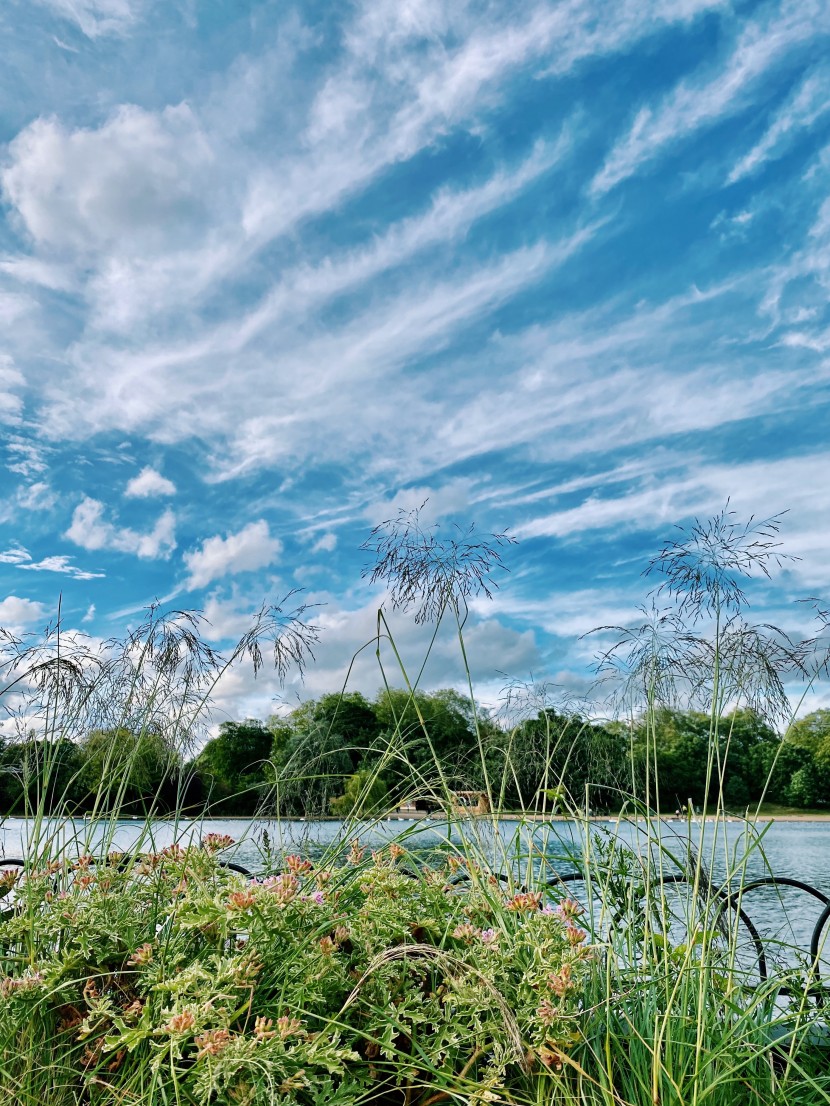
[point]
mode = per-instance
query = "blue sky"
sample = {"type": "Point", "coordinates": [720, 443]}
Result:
{"type": "Point", "coordinates": [270, 272]}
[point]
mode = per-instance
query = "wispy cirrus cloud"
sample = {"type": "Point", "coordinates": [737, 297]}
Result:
{"type": "Point", "coordinates": [28, 458]}
{"type": "Point", "coordinates": [762, 44]}
{"type": "Point", "coordinates": [758, 487]}
{"type": "Point", "coordinates": [809, 103]}
{"type": "Point", "coordinates": [97, 18]}
{"type": "Point", "coordinates": [22, 558]}
{"type": "Point", "coordinates": [11, 384]}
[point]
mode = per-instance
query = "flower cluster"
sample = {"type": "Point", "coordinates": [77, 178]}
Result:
{"type": "Point", "coordinates": [346, 979]}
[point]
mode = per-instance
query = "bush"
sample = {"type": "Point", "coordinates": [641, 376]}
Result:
{"type": "Point", "coordinates": [166, 978]}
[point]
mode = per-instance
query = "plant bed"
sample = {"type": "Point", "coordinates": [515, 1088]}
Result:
{"type": "Point", "coordinates": [173, 979]}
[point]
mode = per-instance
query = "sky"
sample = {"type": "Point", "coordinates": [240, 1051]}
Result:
{"type": "Point", "coordinates": [271, 272]}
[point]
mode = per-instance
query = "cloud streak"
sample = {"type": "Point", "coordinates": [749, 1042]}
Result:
{"type": "Point", "coordinates": [694, 104]}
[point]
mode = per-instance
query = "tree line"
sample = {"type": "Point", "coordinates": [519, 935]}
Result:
{"type": "Point", "coordinates": [339, 751]}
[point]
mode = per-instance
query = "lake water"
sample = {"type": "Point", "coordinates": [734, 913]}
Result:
{"type": "Point", "coordinates": [799, 850]}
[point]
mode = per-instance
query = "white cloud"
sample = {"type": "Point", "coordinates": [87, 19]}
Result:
{"type": "Point", "coordinates": [36, 497]}
{"type": "Point", "coordinates": [11, 379]}
{"type": "Point", "coordinates": [433, 504]}
{"type": "Point", "coordinates": [149, 483]}
{"type": "Point", "coordinates": [569, 614]}
{"type": "Point", "coordinates": [16, 614]}
{"type": "Point", "coordinates": [91, 530]}
{"type": "Point", "coordinates": [697, 103]}
{"type": "Point", "coordinates": [249, 549]}
{"type": "Point", "coordinates": [22, 558]}
{"type": "Point", "coordinates": [492, 648]}
{"type": "Point", "coordinates": [96, 18]}
{"type": "Point", "coordinates": [809, 102]}
{"type": "Point", "coordinates": [450, 215]}
{"type": "Point", "coordinates": [758, 488]}
{"type": "Point", "coordinates": [63, 565]}
{"type": "Point", "coordinates": [325, 544]}
{"type": "Point", "coordinates": [228, 619]}
{"type": "Point", "coordinates": [133, 185]}
{"type": "Point", "coordinates": [30, 457]}
{"type": "Point", "coordinates": [344, 630]}
{"type": "Point", "coordinates": [15, 556]}
{"type": "Point", "coordinates": [90, 613]}
{"type": "Point", "coordinates": [251, 395]}
{"type": "Point", "coordinates": [179, 205]}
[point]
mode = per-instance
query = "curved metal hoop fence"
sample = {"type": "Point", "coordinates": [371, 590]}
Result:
{"type": "Point", "coordinates": [725, 900]}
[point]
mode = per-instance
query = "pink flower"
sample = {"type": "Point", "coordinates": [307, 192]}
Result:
{"type": "Point", "coordinates": [283, 887]}
{"type": "Point", "coordinates": [240, 900]}
{"type": "Point", "coordinates": [181, 1023]}
{"type": "Point", "coordinates": [574, 936]}
{"type": "Point", "coordinates": [561, 982]}
{"type": "Point", "coordinates": [297, 865]}
{"type": "Point", "coordinates": [212, 1042]}
{"type": "Point", "coordinates": [216, 842]}
{"type": "Point", "coordinates": [569, 909]}
{"type": "Point", "coordinates": [288, 1027]}
{"type": "Point", "coordinates": [524, 900]}
{"type": "Point", "coordinates": [142, 955]}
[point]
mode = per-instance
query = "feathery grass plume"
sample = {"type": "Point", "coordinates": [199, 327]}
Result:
{"type": "Point", "coordinates": [705, 568]}
{"type": "Point", "coordinates": [430, 574]}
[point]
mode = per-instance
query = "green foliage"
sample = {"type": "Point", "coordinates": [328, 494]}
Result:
{"type": "Point", "coordinates": [316, 749]}
{"type": "Point", "coordinates": [421, 730]}
{"type": "Point", "coordinates": [811, 734]}
{"type": "Point", "coordinates": [557, 751]}
{"type": "Point", "coordinates": [127, 770]}
{"type": "Point", "coordinates": [304, 761]}
{"type": "Point", "coordinates": [232, 766]}
{"type": "Point", "coordinates": [164, 978]}
{"type": "Point", "coordinates": [366, 793]}
{"type": "Point", "coordinates": [37, 774]}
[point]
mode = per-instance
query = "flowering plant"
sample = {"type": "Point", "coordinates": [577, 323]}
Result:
{"type": "Point", "coordinates": [166, 977]}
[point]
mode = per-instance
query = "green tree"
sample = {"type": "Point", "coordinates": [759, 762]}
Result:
{"type": "Point", "coordinates": [316, 749]}
{"type": "Point", "coordinates": [365, 793]}
{"type": "Point", "coordinates": [812, 735]}
{"type": "Point", "coordinates": [232, 766]}
{"type": "Point", "coordinates": [38, 769]}
{"type": "Point", "coordinates": [428, 740]}
{"type": "Point", "coordinates": [125, 769]}
{"type": "Point", "coordinates": [557, 754]}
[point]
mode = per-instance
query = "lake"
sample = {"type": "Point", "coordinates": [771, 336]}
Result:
{"type": "Point", "coordinates": [799, 850]}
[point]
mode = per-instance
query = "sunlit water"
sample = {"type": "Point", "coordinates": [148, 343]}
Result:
{"type": "Point", "coordinates": [799, 850]}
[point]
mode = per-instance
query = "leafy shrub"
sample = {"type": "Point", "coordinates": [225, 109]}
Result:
{"type": "Point", "coordinates": [164, 977]}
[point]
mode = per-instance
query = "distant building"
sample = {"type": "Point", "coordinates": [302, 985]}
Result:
{"type": "Point", "coordinates": [469, 802]}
